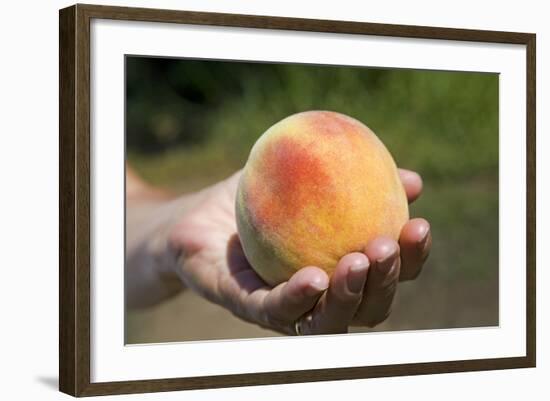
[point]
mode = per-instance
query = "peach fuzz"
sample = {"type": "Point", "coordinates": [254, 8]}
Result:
{"type": "Point", "coordinates": [317, 185]}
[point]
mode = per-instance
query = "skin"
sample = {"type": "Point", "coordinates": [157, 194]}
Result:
{"type": "Point", "coordinates": [192, 241]}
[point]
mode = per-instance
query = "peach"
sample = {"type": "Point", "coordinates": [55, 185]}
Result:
{"type": "Point", "coordinates": [317, 185]}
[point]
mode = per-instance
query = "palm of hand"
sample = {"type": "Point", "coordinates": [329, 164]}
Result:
{"type": "Point", "coordinates": [215, 266]}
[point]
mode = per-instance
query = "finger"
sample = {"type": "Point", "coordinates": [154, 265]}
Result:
{"type": "Point", "coordinates": [381, 284]}
{"type": "Point", "coordinates": [338, 305]}
{"type": "Point", "coordinates": [412, 183]}
{"type": "Point", "coordinates": [415, 243]}
{"type": "Point", "coordinates": [284, 304]}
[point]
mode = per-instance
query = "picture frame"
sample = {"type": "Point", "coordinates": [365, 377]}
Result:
{"type": "Point", "coordinates": [76, 208]}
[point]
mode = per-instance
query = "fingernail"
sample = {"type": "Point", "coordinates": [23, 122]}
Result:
{"type": "Point", "coordinates": [316, 286]}
{"type": "Point", "coordinates": [386, 264]}
{"type": "Point", "coordinates": [425, 246]}
{"type": "Point", "coordinates": [421, 245]}
{"type": "Point", "coordinates": [357, 275]}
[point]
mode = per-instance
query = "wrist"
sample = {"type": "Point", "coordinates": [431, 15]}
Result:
{"type": "Point", "coordinates": [151, 265]}
{"type": "Point", "coordinates": [166, 253]}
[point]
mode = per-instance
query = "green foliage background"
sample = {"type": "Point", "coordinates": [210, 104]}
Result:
{"type": "Point", "coordinates": [193, 122]}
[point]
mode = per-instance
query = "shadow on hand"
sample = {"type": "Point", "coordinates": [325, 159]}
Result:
{"type": "Point", "coordinates": [239, 267]}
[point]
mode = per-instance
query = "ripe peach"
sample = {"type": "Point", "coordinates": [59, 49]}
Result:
{"type": "Point", "coordinates": [317, 185]}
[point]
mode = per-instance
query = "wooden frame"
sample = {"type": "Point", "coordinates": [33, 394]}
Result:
{"type": "Point", "coordinates": [74, 199]}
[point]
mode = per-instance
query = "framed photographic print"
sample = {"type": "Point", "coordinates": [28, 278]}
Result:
{"type": "Point", "coordinates": [251, 200]}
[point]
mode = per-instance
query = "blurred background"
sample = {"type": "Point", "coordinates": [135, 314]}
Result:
{"type": "Point", "coordinates": [191, 123]}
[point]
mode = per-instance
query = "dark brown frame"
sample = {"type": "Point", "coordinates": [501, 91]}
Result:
{"type": "Point", "coordinates": [74, 199]}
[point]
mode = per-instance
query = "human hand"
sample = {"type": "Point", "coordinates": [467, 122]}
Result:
{"type": "Point", "coordinates": [359, 292]}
